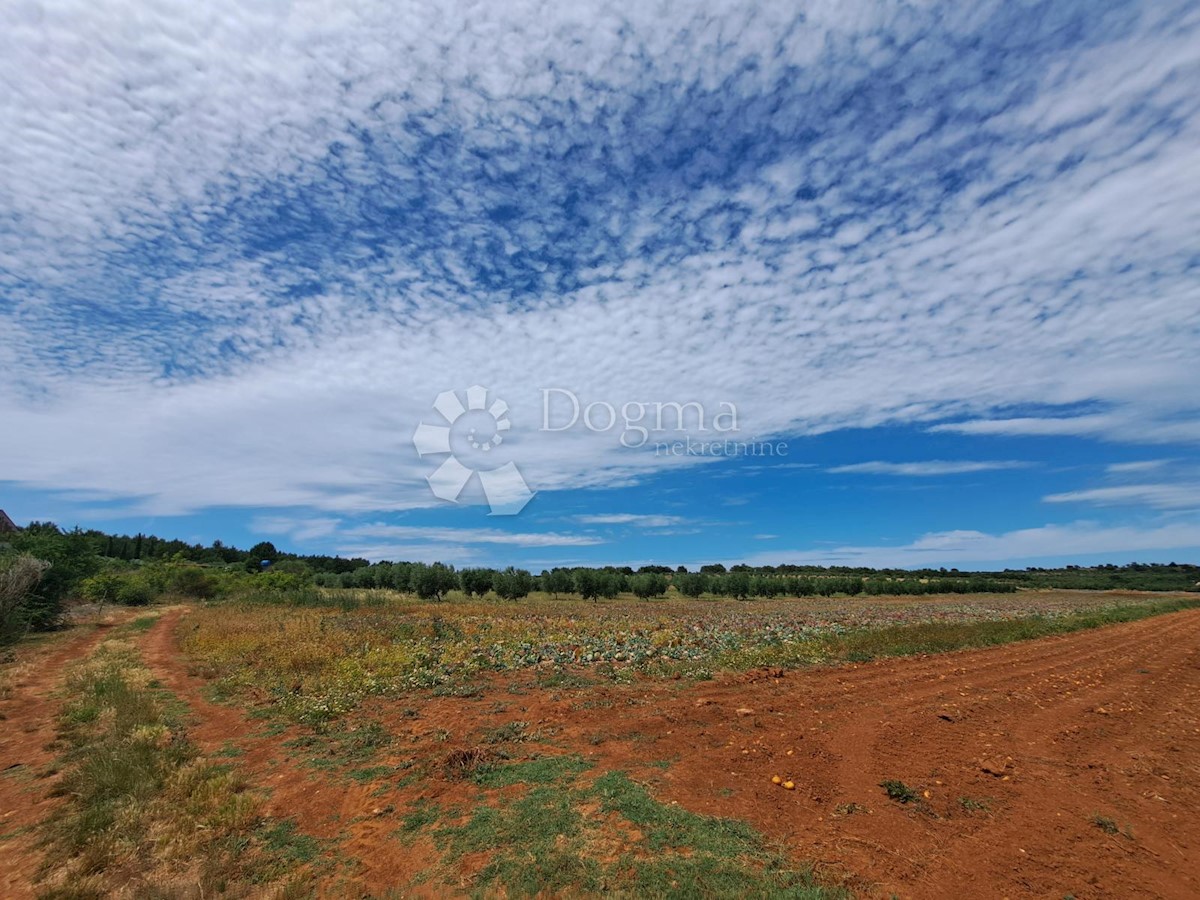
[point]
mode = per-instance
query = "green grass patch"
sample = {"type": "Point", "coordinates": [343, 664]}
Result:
{"type": "Point", "coordinates": [370, 773]}
{"type": "Point", "coordinates": [544, 770]}
{"type": "Point", "coordinates": [282, 839]}
{"type": "Point", "coordinates": [422, 815]}
{"type": "Point", "coordinates": [551, 840]}
{"type": "Point", "coordinates": [335, 748]}
{"type": "Point", "coordinates": [140, 624]}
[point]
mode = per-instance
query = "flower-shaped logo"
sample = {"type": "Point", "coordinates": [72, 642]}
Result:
{"type": "Point", "coordinates": [470, 435]}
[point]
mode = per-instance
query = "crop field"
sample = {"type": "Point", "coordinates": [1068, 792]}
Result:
{"type": "Point", "coordinates": [317, 663]}
{"type": "Point", "coordinates": [367, 744]}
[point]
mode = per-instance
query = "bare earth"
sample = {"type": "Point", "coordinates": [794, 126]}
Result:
{"type": "Point", "coordinates": [1047, 735]}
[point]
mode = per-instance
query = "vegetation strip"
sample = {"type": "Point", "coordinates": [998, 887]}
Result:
{"type": "Point", "coordinates": [145, 811]}
{"type": "Point", "coordinates": [566, 832]}
{"type": "Point", "coordinates": [317, 664]}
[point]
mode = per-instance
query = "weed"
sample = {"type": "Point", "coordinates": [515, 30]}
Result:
{"type": "Point", "coordinates": [1109, 826]}
{"type": "Point", "coordinates": [974, 804]}
{"type": "Point", "coordinates": [509, 733]}
{"type": "Point", "coordinates": [849, 809]}
{"type": "Point", "coordinates": [899, 791]}
{"type": "Point", "coordinates": [463, 763]}
{"type": "Point", "coordinates": [1105, 824]}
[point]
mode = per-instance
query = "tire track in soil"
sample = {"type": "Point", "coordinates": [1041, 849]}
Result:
{"type": "Point", "coordinates": [28, 728]}
{"type": "Point", "coordinates": [1105, 721]}
{"type": "Point", "coordinates": [334, 810]}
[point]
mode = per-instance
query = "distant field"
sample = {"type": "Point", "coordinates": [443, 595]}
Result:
{"type": "Point", "coordinates": [321, 661]}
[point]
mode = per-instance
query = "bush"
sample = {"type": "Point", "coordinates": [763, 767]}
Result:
{"type": "Point", "coordinates": [101, 588]}
{"type": "Point", "coordinates": [71, 558]}
{"type": "Point", "coordinates": [135, 592]}
{"type": "Point", "coordinates": [193, 582]}
{"type": "Point", "coordinates": [277, 587]}
{"type": "Point", "coordinates": [19, 575]}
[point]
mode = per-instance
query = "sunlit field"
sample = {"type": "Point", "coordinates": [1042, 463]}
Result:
{"type": "Point", "coordinates": [316, 662]}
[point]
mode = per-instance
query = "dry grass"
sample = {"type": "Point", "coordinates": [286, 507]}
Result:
{"type": "Point", "coordinates": [146, 814]}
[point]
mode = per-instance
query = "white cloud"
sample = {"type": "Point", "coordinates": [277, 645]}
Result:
{"type": "Point", "coordinates": [1143, 465]}
{"type": "Point", "coordinates": [302, 529]}
{"type": "Point", "coordinates": [1020, 547]}
{"type": "Point", "coordinates": [1130, 425]}
{"type": "Point", "coordinates": [1158, 496]}
{"type": "Point", "coordinates": [471, 536]}
{"type": "Point", "coordinates": [243, 246]}
{"type": "Point", "coordinates": [639, 520]}
{"type": "Point", "coordinates": [928, 467]}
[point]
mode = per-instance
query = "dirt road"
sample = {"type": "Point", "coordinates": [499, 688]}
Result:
{"type": "Point", "coordinates": [27, 728]}
{"type": "Point", "coordinates": [1068, 766]}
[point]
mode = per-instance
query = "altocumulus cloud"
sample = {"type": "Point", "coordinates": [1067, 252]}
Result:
{"type": "Point", "coordinates": [242, 246]}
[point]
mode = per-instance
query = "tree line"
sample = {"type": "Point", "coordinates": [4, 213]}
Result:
{"type": "Point", "coordinates": [42, 566]}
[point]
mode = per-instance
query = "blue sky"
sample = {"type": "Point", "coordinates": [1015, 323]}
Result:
{"type": "Point", "coordinates": [943, 257]}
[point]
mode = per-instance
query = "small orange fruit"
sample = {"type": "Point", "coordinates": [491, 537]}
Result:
{"type": "Point", "coordinates": [775, 779]}
{"type": "Point", "coordinates": [789, 785]}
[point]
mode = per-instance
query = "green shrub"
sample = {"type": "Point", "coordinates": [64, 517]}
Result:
{"type": "Point", "coordinates": [19, 576]}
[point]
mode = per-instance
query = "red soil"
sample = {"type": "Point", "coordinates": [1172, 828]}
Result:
{"type": "Point", "coordinates": [27, 729]}
{"type": "Point", "coordinates": [1048, 733]}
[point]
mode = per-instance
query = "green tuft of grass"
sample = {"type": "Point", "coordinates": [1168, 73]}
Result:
{"type": "Point", "coordinates": [1109, 826]}
{"type": "Point", "coordinates": [899, 791]}
{"type": "Point", "coordinates": [282, 839]}
{"type": "Point", "coordinates": [423, 813]}
{"type": "Point", "coordinates": [370, 773]}
{"type": "Point", "coordinates": [508, 733]}
{"type": "Point", "coordinates": [543, 770]}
